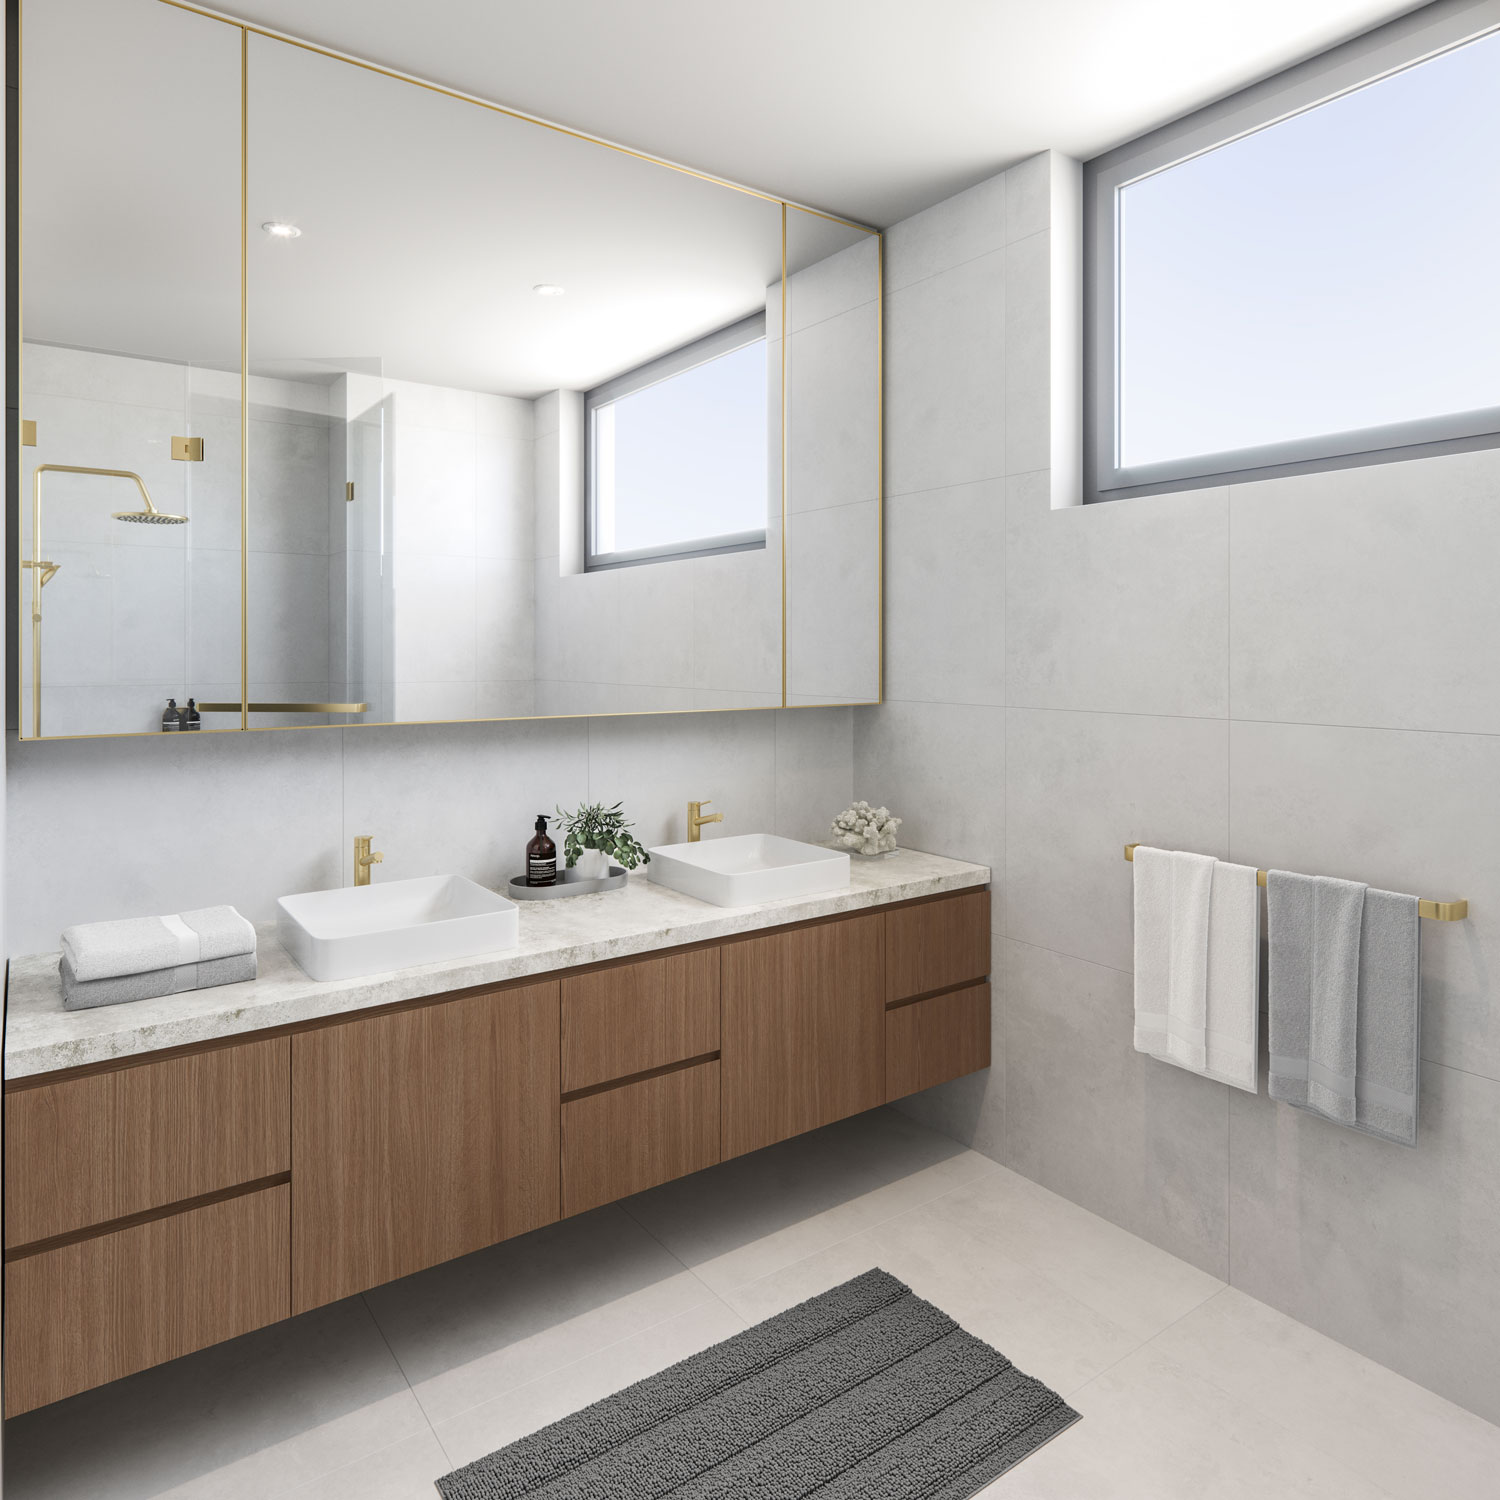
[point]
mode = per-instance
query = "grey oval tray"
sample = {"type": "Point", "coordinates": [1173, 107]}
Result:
{"type": "Point", "coordinates": [568, 884]}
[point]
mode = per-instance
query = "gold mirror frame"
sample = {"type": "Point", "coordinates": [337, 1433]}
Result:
{"type": "Point", "coordinates": [40, 570]}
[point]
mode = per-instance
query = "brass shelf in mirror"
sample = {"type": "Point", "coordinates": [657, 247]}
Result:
{"type": "Point", "coordinates": [417, 412]}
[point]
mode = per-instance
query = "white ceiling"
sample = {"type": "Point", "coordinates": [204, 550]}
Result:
{"type": "Point", "coordinates": [870, 108]}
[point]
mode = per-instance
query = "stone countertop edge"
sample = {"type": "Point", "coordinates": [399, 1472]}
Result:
{"type": "Point", "coordinates": [42, 1037]}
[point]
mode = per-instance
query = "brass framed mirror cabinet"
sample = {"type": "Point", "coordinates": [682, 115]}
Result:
{"type": "Point", "coordinates": [349, 399]}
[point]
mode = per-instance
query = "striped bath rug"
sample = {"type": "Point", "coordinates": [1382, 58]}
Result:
{"type": "Point", "coordinates": [863, 1393]}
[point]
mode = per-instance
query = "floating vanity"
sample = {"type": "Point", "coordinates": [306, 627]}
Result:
{"type": "Point", "coordinates": [181, 1171]}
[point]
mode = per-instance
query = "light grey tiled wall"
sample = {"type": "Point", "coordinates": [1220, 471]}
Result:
{"type": "Point", "coordinates": [112, 828]}
{"type": "Point", "coordinates": [1301, 672]}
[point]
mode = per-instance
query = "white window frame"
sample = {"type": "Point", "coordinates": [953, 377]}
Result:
{"type": "Point", "coordinates": [700, 352]}
{"type": "Point", "coordinates": [1389, 49]}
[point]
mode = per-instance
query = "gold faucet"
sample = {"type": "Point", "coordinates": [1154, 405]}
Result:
{"type": "Point", "coordinates": [363, 858]}
{"type": "Point", "coordinates": [696, 820]}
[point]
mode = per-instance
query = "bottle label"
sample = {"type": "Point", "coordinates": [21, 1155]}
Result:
{"type": "Point", "coordinates": [541, 871]}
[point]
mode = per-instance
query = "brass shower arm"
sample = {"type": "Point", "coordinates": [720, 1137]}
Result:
{"type": "Point", "coordinates": [44, 571]}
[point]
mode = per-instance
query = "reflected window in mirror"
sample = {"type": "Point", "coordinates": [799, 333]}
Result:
{"type": "Point", "coordinates": [677, 452]}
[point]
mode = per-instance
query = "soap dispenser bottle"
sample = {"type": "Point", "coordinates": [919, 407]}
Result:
{"type": "Point", "coordinates": [171, 717]}
{"type": "Point", "coordinates": [191, 719]}
{"type": "Point", "coordinates": [541, 856]}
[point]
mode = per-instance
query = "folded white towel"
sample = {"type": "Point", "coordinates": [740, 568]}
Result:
{"type": "Point", "coordinates": [1172, 903]}
{"type": "Point", "coordinates": [1233, 1006]}
{"type": "Point", "coordinates": [140, 945]}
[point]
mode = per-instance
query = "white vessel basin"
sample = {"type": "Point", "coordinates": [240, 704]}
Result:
{"type": "Point", "coordinates": [371, 929]}
{"type": "Point", "coordinates": [748, 868]}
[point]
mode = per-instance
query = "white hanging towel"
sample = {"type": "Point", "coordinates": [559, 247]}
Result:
{"type": "Point", "coordinates": [1172, 902]}
{"type": "Point", "coordinates": [1197, 964]}
{"type": "Point", "coordinates": [1233, 1019]}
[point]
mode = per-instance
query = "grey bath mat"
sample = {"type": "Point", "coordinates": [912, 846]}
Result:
{"type": "Point", "coordinates": [863, 1393]}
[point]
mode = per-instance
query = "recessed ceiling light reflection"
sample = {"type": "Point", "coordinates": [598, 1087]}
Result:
{"type": "Point", "coordinates": [546, 289]}
{"type": "Point", "coordinates": [279, 231]}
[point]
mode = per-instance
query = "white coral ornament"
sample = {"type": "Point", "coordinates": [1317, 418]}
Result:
{"type": "Point", "coordinates": [865, 829]}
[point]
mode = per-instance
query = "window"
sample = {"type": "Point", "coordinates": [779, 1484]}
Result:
{"type": "Point", "coordinates": [677, 452]}
{"type": "Point", "coordinates": [1304, 275]}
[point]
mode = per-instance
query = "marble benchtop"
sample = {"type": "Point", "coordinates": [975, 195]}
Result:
{"type": "Point", "coordinates": [41, 1037]}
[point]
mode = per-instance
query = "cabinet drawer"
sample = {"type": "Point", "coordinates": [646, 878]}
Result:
{"type": "Point", "coordinates": [620, 1141]}
{"type": "Point", "coordinates": [638, 1016]}
{"type": "Point", "coordinates": [935, 945]}
{"type": "Point", "coordinates": [931, 1041]}
{"type": "Point", "coordinates": [100, 1308]}
{"type": "Point", "coordinates": [108, 1145]}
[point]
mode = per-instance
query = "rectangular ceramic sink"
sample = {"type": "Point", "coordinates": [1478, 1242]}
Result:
{"type": "Point", "coordinates": [748, 868]}
{"type": "Point", "coordinates": [399, 924]}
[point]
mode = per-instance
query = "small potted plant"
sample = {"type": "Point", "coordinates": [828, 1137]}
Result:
{"type": "Point", "coordinates": [593, 835]}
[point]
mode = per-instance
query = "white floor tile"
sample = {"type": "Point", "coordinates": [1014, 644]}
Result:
{"type": "Point", "coordinates": [404, 1471]}
{"type": "Point", "coordinates": [1130, 1281]}
{"type": "Point", "coordinates": [1151, 1429]}
{"type": "Point", "coordinates": [469, 1330]}
{"type": "Point", "coordinates": [252, 1418]}
{"type": "Point", "coordinates": [1032, 1321]}
{"type": "Point", "coordinates": [755, 1214]}
{"type": "Point", "coordinates": [1393, 1431]}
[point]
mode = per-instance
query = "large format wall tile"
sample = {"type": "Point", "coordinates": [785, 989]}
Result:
{"type": "Point", "coordinates": [1393, 1250]}
{"type": "Point", "coordinates": [1121, 606]}
{"type": "Point", "coordinates": [814, 770]}
{"type": "Point", "coordinates": [1028, 351]}
{"type": "Point", "coordinates": [1367, 596]}
{"type": "Point", "coordinates": [1404, 811]}
{"type": "Point", "coordinates": [100, 829]}
{"type": "Point", "coordinates": [458, 799]}
{"type": "Point", "coordinates": [945, 594]}
{"type": "Point", "coordinates": [728, 759]}
{"type": "Point", "coordinates": [1078, 788]}
{"type": "Point", "coordinates": [1139, 1141]}
{"type": "Point", "coordinates": [958, 229]}
{"type": "Point", "coordinates": [940, 767]}
{"type": "Point", "coordinates": [945, 378]}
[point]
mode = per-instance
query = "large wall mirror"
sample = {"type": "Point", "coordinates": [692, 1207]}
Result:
{"type": "Point", "coordinates": [455, 416]}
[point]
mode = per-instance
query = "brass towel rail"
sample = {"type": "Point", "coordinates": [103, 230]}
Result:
{"type": "Point", "coordinates": [1434, 911]}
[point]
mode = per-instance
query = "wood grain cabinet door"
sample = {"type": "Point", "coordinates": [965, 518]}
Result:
{"type": "Point", "coordinates": [421, 1135]}
{"type": "Point", "coordinates": [803, 1030]}
{"type": "Point", "coordinates": [120, 1142]}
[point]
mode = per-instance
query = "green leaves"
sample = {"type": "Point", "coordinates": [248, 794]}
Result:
{"type": "Point", "coordinates": [594, 826]}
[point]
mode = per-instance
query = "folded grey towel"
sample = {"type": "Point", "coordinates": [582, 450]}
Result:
{"type": "Point", "coordinates": [1390, 1012]}
{"type": "Point", "coordinates": [144, 945]}
{"type": "Point", "coordinates": [84, 994]}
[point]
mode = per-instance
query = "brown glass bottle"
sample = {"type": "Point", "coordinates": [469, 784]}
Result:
{"type": "Point", "coordinates": [541, 856]}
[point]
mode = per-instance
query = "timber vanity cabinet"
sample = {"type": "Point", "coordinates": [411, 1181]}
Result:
{"type": "Point", "coordinates": [153, 1207]}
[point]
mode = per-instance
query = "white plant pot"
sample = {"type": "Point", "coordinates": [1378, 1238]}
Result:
{"type": "Point", "coordinates": [593, 864]}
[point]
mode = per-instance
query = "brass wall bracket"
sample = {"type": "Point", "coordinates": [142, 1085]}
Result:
{"type": "Point", "coordinates": [188, 450]}
{"type": "Point", "coordinates": [28, 433]}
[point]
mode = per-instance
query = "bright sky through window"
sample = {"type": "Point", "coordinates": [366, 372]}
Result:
{"type": "Point", "coordinates": [1332, 272]}
{"type": "Point", "coordinates": [684, 460]}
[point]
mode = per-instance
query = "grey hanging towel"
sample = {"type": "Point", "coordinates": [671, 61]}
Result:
{"type": "Point", "coordinates": [1313, 925]}
{"type": "Point", "coordinates": [1390, 952]}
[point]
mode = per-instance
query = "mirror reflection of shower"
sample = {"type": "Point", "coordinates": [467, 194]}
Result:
{"type": "Point", "coordinates": [43, 570]}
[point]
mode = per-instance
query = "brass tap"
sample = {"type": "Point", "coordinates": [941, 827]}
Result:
{"type": "Point", "coordinates": [363, 858]}
{"type": "Point", "coordinates": [696, 820]}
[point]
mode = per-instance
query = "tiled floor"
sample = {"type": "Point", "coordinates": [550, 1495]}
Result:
{"type": "Point", "coordinates": [1187, 1388]}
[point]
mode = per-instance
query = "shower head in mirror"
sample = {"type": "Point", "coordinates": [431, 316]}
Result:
{"type": "Point", "coordinates": [150, 516]}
